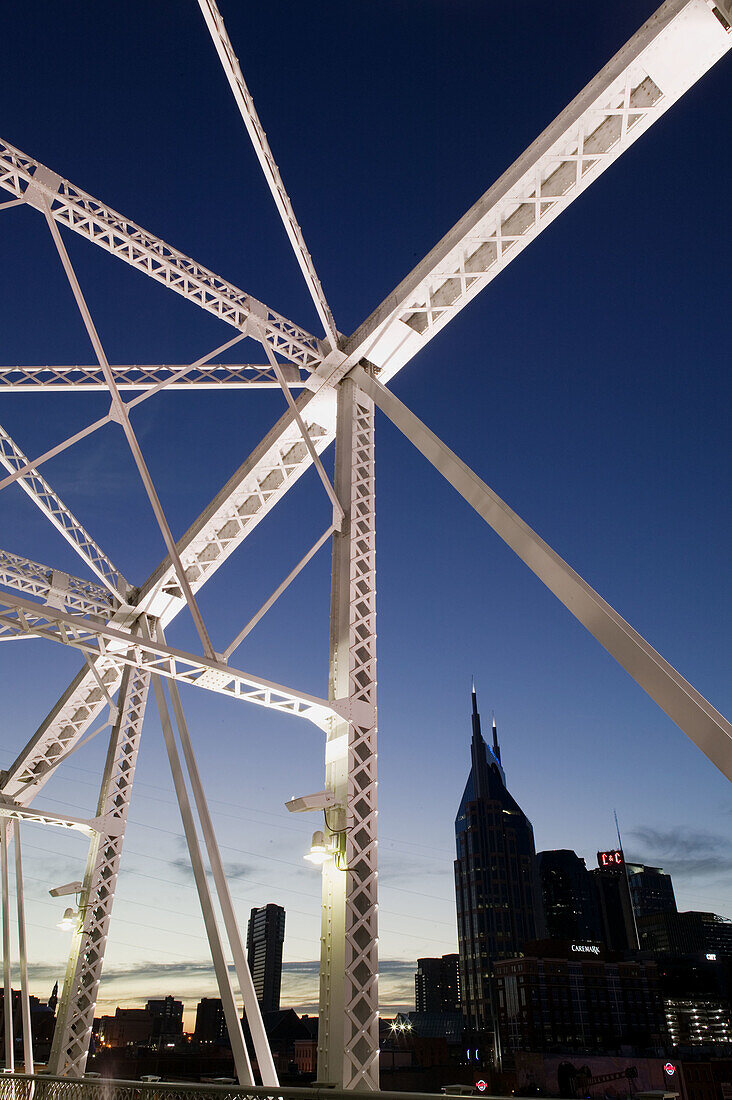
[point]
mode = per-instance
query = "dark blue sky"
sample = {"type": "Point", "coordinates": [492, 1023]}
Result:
{"type": "Point", "coordinates": [588, 385]}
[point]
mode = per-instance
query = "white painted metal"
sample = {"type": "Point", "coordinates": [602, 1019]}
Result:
{"type": "Point", "coordinates": [18, 615]}
{"type": "Point", "coordinates": [55, 588]}
{"type": "Point", "coordinates": [706, 727]}
{"type": "Point", "coordinates": [252, 1010]}
{"type": "Point", "coordinates": [666, 57]}
{"type": "Point", "coordinates": [132, 376]}
{"type": "Point", "coordinates": [120, 414]}
{"type": "Point", "coordinates": [54, 509]}
{"type": "Point", "coordinates": [11, 811]}
{"type": "Point", "coordinates": [114, 415]}
{"type": "Point", "coordinates": [245, 103]}
{"type": "Point", "coordinates": [28, 1065]}
{"type": "Point", "coordinates": [271, 600]}
{"type": "Point", "coordinates": [101, 225]}
{"type": "Point", "coordinates": [75, 1017]}
{"type": "Point", "coordinates": [233, 1023]}
{"type": "Point", "coordinates": [348, 1035]}
{"type": "Point", "coordinates": [7, 977]}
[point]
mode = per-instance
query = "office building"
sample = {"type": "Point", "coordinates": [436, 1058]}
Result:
{"type": "Point", "coordinates": [617, 920]}
{"type": "Point", "coordinates": [568, 897]}
{"type": "Point", "coordinates": [496, 884]}
{"type": "Point", "coordinates": [166, 1015]}
{"type": "Point", "coordinates": [437, 984]}
{"type": "Point", "coordinates": [265, 937]}
{"type": "Point", "coordinates": [210, 1029]}
{"type": "Point", "coordinates": [651, 890]}
{"type": "Point", "coordinates": [673, 935]}
{"type": "Point", "coordinates": [567, 997]}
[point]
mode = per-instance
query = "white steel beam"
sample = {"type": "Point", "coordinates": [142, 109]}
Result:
{"type": "Point", "coordinates": [54, 509]}
{"type": "Point", "coordinates": [55, 588]}
{"type": "Point", "coordinates": [348, 1035]}
{"type": "Point", "coordinates": [12, 811]}
{"type": "Point", "coordinates": [133, 376]}
{"type": "Point", "coordinates": [97, 640]}
{"type": "Point", "coordinates": [72, 207]}
{"type": "Point", "coordinates": [239, 1050]}
{"type": "Point", "coordinates": [706, 727]}
{"type": "Point", "coordinates": [75, 1018]}
{"type": "Point", "coordinates": [28, 1065]}
{"type": "Point", "coordinates": [665, 58]}
{"type": "Point", "coordinates": [7, 977]}
{"type": "Point", "coordinates": [245, 103]}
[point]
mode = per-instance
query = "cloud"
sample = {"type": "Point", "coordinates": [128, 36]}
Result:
{"type": "Point", "coordinates": [234, 871]}
{"type": "Point", "coordinates": [685, 853]}
{"type": "Point", "coordinates": [300, 981]}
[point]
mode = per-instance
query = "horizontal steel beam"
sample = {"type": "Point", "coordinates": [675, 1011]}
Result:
{"type": "Point", "coordinates": [21, 616]}
{"type": "Point", "coordinates": [57, 589]}
{"type": "Point", "coordinates": [133, 376]}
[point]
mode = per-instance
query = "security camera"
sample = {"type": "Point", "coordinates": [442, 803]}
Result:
{"type": "Point", "coordinates": [62, 891]}
{"type": "Point", "coordinates": [319, 801]}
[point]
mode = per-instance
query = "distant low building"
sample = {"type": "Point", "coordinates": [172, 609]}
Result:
{"type": "Point", "coordinates": [673, 935]}
{"type": "Point", "coordinates": [167, 1020]}
{"type": "Point", "coordinates": [210, 1030]}
{"type": "Point", "coordinates": [127, 1028]}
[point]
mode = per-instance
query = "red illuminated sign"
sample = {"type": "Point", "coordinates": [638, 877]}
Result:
{"type": "Point", "coordinates": [610, 859]}
{"type": "Point", "coordinates": [481, 1085]}
{"type": "Point", "coordinates": [670, 1069]}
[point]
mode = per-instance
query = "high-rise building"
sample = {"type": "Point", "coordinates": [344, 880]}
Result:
{"type": "Point", "coordinates": [210, 1027]}
{"type": "Point", "coordinates": [673, 935]}
{"type": "Point", "coordinates": [568, 897]}
{"type": "Point", "coordinates": [265, 936]}
{"type": "Point", "coordinates": [437, 984]}
{"type": "Point", "coordinates": [617, 921]}
{"type": "Point", "coordinates": [651, 890]}
{"type": "Point", "coordinates": [496, 884]}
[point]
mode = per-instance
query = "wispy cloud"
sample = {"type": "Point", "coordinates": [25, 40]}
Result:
{"type": "Point", "coordinates": [683, 852]}
{"type": "Point", "coordinates": [234, 871]}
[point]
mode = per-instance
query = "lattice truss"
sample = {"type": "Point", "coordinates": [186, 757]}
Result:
{"type": "Point", "coordinates": [118, 628]}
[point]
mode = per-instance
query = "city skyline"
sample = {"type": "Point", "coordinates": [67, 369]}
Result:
{"type": "Point", "coordinates": [588, 385]}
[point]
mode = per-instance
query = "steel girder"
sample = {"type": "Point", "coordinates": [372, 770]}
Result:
{"type": "Point", "coordinates": [84, 970]}
{"type": "Point", "coordinates": [56, 589]}
{"type": "Point", "coordinates": [661, 45]}
{"type": "Point", "coordinates": [26, 178]}
{"type": "Point", "coordinates": [348, 1034]}
{"type": "Point", "coordinates": [101, 642]}
{"type": "Point", "coordinates": [133, 376]}
{"type": "Point", "coordinates": [665, 58]}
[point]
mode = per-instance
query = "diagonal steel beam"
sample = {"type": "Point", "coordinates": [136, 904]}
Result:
{"type": "Point", "coordinates": [54, 509]}
{"type": "Point", "coordinates": [245, 103]}
{"type": "Point", "coordinates": [26, 178]}
{"type": "Point", "coordinates": [706, 727]}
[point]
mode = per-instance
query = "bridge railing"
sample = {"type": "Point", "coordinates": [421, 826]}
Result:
{"type": "Point", "coordinates": [18, 1086]}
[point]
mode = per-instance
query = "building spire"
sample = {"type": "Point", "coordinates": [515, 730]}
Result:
{"type": "Point", "coordinates": [477, 735]}
{"type": "Point", "coordinates": [496, 746]}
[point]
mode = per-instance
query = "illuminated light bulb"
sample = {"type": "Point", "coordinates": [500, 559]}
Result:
{"type": "Point", "coordinates": [318, 852]}
{"type": "Point", "coordinates": [68, 920]}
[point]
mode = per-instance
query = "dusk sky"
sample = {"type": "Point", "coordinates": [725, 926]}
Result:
{"type": "Point", "coordinates": [588, 385]}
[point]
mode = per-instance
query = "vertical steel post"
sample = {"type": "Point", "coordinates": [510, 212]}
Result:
{"type": "Point", "coordinates": [23, 954]}
{"type": "Point", "coordinates": [70, 1047]}
{"type": "Point", "coordinates": [348, 1043]}
{"type": "Point", "coordinates": [7, 983]}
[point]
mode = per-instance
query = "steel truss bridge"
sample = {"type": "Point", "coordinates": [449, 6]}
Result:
{"type": "Point", "coordinates": [332, 385]}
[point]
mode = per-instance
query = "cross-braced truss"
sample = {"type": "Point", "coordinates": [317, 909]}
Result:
{"type": "Point", "coordinates": [119, 629]}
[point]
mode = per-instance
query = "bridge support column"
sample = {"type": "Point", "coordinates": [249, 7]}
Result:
{"type": "Point", "coordinates": [72, 1034]}
{"type": "Point", "coordinates": [348, 1043]}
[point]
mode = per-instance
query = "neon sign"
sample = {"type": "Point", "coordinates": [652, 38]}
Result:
{"type": "Point", "coordinates": [610, 859]}
{"type": "Point", "coordinates": [586, 948]}
{"type": "Point", "coordinates": [669, 1068]}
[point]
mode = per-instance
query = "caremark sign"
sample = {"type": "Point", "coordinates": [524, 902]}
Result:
{"type": "Point", "coordinates": [586, 948]}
